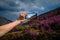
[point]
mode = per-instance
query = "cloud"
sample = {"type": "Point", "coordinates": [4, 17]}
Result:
{"type": "Point", "coordinates": [7, 5]}
{"type": "Point", "coordinates": [10, 8]}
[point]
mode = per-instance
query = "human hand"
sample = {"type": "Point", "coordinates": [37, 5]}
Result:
{"type": "Point", "coordinates": [23, 15]}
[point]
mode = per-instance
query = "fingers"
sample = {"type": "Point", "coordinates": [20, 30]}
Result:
{"type": "Point", "coordinates": [25, 12]}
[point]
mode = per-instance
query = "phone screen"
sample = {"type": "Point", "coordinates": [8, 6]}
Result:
{"type": "Point", "coordinates": [29, 15]}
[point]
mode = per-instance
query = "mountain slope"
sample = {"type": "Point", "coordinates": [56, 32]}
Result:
{"type": "Point", "coordinates": [42, 27]}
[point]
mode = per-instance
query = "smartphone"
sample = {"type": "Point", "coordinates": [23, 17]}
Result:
{"type": "Point", "coordinates": [29, 15]}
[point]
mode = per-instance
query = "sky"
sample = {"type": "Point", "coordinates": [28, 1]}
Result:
{"type": "Point", "coordinates": [11, 9]}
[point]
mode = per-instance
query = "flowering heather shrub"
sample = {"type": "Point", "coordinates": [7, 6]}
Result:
{"type": "Point", "coordinates": [42, 27]}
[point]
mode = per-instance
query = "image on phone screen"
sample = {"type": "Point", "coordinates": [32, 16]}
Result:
{"type": "Point", "coordinates": [29, 15]}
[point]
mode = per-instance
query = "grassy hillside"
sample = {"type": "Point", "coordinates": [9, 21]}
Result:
{"type": "Point", "coordinates": [42, 27]}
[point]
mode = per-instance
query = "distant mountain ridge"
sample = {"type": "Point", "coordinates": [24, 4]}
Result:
{"type": "Point", "coordinates": [4, 21]}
